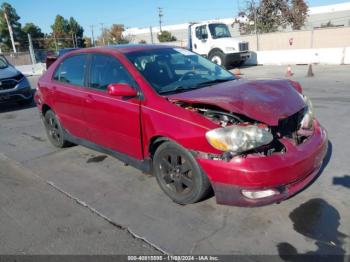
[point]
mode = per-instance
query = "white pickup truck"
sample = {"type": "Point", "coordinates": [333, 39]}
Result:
{"type": "Point", "coordinates": [213, 40]}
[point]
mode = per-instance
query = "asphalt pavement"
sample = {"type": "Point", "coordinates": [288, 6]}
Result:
{"type": "Point", "coordinates": [129, 210]}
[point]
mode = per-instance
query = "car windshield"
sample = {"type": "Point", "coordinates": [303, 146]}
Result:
{"type": "Point", "coordinates": [3, 62]}
{"type": "Point", "coordinates": [174, 70]}
{"type": "Point", "coordinates": [219, 31]}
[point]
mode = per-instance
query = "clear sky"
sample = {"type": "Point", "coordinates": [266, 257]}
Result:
{"type": "Point", "coordinates": [131, 13]}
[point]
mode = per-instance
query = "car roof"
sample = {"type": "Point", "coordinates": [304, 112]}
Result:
{"type": "Point", "coordinates": [136, 47]}
{"type": "Point", "coordinates": [124, 48]}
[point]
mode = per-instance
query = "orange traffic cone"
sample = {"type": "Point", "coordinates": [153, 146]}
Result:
{"type": "Point", "coordinates": [289, 72]}
{"type": "Point", "coordinates": [237, 72]}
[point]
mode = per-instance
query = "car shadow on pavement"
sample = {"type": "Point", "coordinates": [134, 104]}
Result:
{"type": "Point", "coordinates": [9, 107]}
{"type": "Point", "coordinates": [319, 221]}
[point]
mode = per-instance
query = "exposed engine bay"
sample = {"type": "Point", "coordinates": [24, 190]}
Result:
{"type": "Point", "coordinates": [288, 128]}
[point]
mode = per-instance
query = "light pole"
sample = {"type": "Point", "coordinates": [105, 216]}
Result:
{"type": "Point", "coordinates": [102, 33]}
{"type": "Point", "coordinates": [92, 35]}
{"type": "Point", "coordinates": [10, 31]}
{"type": "Point", "coordinates": [252, 3]}
{"type": "Point", "coordinates": [160, 14]}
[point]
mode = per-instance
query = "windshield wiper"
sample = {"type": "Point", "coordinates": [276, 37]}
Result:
{"type": "Point", "coordinates": [200, 85]}
{"type": "Point", "coordinates": [213, 82]}
{"type": "Point", "coordinates": [179, 88]}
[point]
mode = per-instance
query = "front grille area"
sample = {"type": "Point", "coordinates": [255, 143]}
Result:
{"type": "Point", "coordinates": [243, 46]}
{"type": "Point", "coordinates": [9, 83]}
{"type": "Point", "coordinates": [287, 127]}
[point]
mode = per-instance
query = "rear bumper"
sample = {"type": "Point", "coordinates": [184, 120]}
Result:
{"type": "Point", "coordinates": [286, 173]}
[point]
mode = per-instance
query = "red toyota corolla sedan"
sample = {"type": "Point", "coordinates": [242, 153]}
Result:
{"type": "Point", "coordinates": [191, 123]}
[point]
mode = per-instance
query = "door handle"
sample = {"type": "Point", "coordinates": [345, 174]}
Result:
{"type": "Point", "coordinates": [195, 46]}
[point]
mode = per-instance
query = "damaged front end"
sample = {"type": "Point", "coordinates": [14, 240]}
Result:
{"type": "Point", "coordinates": [239, 136]}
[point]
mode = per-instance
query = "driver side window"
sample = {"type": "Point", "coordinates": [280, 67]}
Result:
{"type": "Point", "coordinates": [201, 32]}
{"type": "Point", "coordinates": [106, 70]}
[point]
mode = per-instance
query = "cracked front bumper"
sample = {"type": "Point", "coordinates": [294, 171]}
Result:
{"type": "Point", "coordinates": [287, 173]}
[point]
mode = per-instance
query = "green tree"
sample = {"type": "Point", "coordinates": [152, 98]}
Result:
{"type": "Point", "coordinates": [297, 14]}
{"type": "Point", "coordinates": [13, 18]}
{"type": "Point", "coordinates": [67, 33]}
{"type": "Point", "coordinates": [76, 31]}
{"type": "Point", "coordinates": [166, 36]}
{"type": "Point", "coordinates": [113, 35]}
{"type": "Point", "coordinates": [36, 34]}
{"type": "Point", "coordinates": [87, 41]}
{"type": "Point", "coordinates": [116, 34]}
{"type": "Point", "coordinates": [60, 32]}
{"type": "Point", "coordinates": [270, 15]}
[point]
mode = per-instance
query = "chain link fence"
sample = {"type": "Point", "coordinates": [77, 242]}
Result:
{"type": "Point", "coordinates": [35, 50]}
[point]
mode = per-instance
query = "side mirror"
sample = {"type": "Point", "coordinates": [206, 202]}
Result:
{"type": "Point", "coordinates": [121, 90]}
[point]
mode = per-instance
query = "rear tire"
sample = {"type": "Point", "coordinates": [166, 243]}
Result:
{"type": "Point", "coordinates": [54, 130]}
{"type": "Point", "coordinates": [179, 175]}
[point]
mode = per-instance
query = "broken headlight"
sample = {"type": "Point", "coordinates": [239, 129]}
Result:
{"type": "Point", "coordinates": [237, 138]}
{"type": "Point", "coordinates": [308, 119]}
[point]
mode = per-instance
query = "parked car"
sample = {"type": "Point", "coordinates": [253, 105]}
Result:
{"type": "Point", "coordinates": [14, 86]}
{"type": "Point", "coordinates": [191, 123]}
{"type": "Point", "coordinates": [52, 57]}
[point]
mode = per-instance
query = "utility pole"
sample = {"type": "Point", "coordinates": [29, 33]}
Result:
{"type": "Point", "coordinates": [31, 49]}
{"type": "Point", "coordinates": [92, 35]}
{"type": "Point", "coordinates": [56, 46]}
{"type": "Point", "coordinates": [151, 32]}
{"type": "Point", "coordinates": [102, 34]}
{"type": "Point", "coordinates": [73, 40]}
{"type": "Point", "coordinates": [10, 31]}
{"type": "Point", "coordinates": [160, 15]}
{"type": "Point", "coordinates": [76, 40]}
{"type": "Point", "coordinates": [255, 25]}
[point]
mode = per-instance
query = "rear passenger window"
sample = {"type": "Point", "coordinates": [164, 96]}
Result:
{"type": "Point", "coordinates": [72, 70]}
{"type": "Point", "coordinates": [107, 70]}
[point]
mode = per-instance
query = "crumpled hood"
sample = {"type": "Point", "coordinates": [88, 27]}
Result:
{"type": "Point", "coordinates": [266, 101]}
{"type": "Point", "coordinates": [8, 72]}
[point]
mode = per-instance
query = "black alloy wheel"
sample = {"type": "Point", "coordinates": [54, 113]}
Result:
{"type": "Point", "coordinates": [179, 175]}
{"type": "Point", "coordinates": [54, 130]}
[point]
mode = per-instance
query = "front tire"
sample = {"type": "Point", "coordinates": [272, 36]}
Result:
{"type": "Point", "coordinates": [54, 130]}
{"type": "Point", "coordinates": [179, 175]}
{"type": "Point", "coordinates": [218, 58]}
